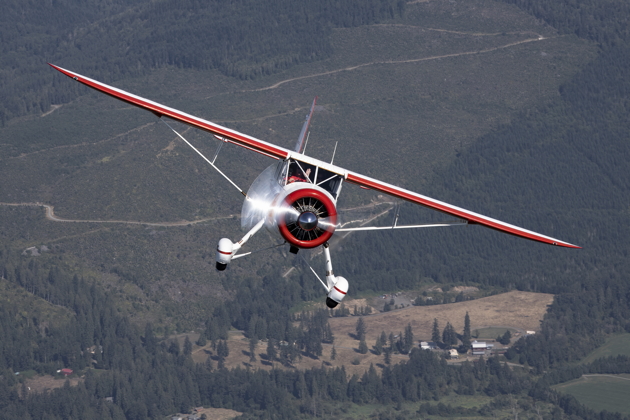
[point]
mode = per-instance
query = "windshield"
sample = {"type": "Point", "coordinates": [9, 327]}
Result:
{"type": "Point", "coordinates": [291, 171]}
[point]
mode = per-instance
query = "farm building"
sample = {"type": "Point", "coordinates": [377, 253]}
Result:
{"type": "Point", "coordinates": [479, 348]}
{"type": "Point", "coordinates": [427, 345]}
{"type": "Point", "coordinates": [453, 353]}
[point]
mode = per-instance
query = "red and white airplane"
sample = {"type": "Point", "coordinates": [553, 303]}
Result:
{"type": "Point", "coordinates": [296, 197]}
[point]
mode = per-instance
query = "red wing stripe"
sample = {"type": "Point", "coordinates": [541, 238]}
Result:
{"type": "Point", "coordinates": [343, 293]}
{"type": "Point", "coordinates": [471, 217]}
{"type": "Point", "coordinates": [223, 252]}
{"type": "Point", "coordinates": [161, 110]}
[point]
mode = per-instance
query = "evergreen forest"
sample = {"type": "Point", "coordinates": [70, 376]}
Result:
{"type": "Point", "coordinates": [558, 166]}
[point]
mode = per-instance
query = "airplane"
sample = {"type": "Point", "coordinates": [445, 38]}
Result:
{"type": "Point", "coordinates": [296, 197]}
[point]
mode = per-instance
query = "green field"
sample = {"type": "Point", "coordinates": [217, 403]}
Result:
{"type": "Point", "coordinates": [362, 411]}
{"type": "Point", "coordinates": [600, 392]}
{"type": "Point", "coordinates": [614, 346]}
{"type": "Point", "coordinates": [490, 333]}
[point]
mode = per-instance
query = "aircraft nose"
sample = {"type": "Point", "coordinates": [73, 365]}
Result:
{"type": "Point", "coordinates": [307, 221]}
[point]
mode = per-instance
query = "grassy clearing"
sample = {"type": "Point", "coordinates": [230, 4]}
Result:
{"type": "Point", "coordinates": [490, 333]}
{"type": "Point", "coordinates": [614, 346]}
{"type": "Point", "coordinates": [32, 306]}
{"type": "Point", "coordinates": [521, 310]}
{"type": "Point", "coordinates": [407, 410]}
{"type": "Point", "coordinates": [600, 392]}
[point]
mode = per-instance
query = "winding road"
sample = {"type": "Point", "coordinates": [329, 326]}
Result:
{"type": "Point", "coordinates": [538, 37]}
{"type": "Point", "coordinates": [50, 215]}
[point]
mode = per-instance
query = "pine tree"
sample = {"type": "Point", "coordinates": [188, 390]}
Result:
{"type": "Point", "coordinates": [333, 353]}
{"type": "Point", "coordinates": [435, 335]}
{"type": "Point", "coordinates": [251, 327]}
{"type": "Point", "coordinates": [363, 348]}
{"type": "Point", "coordinates": [150, 342]}
{"type": "Point", "coordinates": [261, 328]}
{"type": "Point", "coordinates": [466, 336]}
{"type": "Point", "coordinates": [202, 341]}
{"type": "Point", "coordinates": [378, 346]}
{"type": "Point", "coordinates": [328, 334]}
{"type": "Point", "coordinates": [400, 346]}
{"type": "Point", "coordinates": [408, 339]}
{"type": "Point", "coordinates": [388, 355]}
{"type": "Point", "coordinates": [271, 350]}
{"type": "Point", "coordinates": [173, 348]}
{"type": "Point", "coordinates": [449, 338]}
{"type": "Point", "coordinates": [360, 329]}
{"type": "Point", "coordinates": [187, 347]}
{"type": "Point", "coordinates": [223, 350]}
{"type": "Point", "coordinates": [253, 342]}
{"type": "Point", "coordinates": [505, 338]}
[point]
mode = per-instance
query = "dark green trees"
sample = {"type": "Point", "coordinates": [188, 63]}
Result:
{"type": "Point", "coordinates": [466, 335]}
{"type": "Point", "coordinates": [435, 334]}
{"type": "Point", "coordinates": [449, 337]}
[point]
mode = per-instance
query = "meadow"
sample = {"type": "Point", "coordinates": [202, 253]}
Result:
{"type": "Point", "coordinates": [614, 346]}
{"type": "Point", "coordinates": [600, 392]}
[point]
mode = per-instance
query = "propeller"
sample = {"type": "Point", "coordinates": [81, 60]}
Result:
{"type": "Point", "coordinates": [307, 219]}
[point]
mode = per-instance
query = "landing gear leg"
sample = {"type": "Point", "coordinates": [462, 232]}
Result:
{"type": "Point", "coordinates": [226, 249]}
{"type": "Point", "coordinates": [337, 286]}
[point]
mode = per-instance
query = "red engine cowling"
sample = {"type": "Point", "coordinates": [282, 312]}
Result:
{"type": "Point", "coordinates": [306, 217]}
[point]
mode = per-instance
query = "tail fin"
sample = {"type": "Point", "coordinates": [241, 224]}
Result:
{"type": "Point", "coordinates": [301, 143]}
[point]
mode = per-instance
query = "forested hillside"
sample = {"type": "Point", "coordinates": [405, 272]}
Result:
{"type": "Point", "coordinates": [244, 39]}
{"type": "Point", "coordinates": [558, 166]}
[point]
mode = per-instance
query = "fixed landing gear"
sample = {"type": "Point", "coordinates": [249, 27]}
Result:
{"type": "Point", "coordinates": [337, 287]}
{"type": "Point", "coordinates": [226, 249]}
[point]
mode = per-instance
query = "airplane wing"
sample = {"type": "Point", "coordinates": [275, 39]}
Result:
{"type": "Point", "coordinates": [222, 133]}
{"type": "Point", "coordinates": [469, 216]}
{"type": "Point", "coordinates": [277, 152]}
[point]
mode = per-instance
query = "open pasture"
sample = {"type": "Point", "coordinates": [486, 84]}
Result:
{"type": "Point", "coordinates": [600, 392]}
{"type": "Point", "coordinates": [519, 310]}
{"type": "Point", "coordinates": [614, 346]}
{"type": "Point", "coordinates": [490, 333]}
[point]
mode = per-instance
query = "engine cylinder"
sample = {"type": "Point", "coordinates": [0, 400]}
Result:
{"type": "Point", "coordinates": [306, 216]}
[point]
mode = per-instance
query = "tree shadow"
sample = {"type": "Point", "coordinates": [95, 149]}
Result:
{"type": "Point", "coordinates": [310, 356]}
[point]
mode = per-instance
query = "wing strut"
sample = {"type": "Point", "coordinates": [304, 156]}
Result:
{"type": "Point", "coordinates": [314, 272]}
{"type": "Point", "coordinates": [395, 226]}
{"type": "Point", "coordinates": [205, 158]}
{"type": "Point", "coordinates": [301, 143]}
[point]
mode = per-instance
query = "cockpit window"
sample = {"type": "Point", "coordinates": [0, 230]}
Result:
{"type": "Point", "coordinates": [291, 171]}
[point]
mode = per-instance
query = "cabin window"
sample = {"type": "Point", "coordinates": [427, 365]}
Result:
{"type": "Point", "coordinates": [291, 171]}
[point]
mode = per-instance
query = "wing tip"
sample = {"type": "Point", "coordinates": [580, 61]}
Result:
{"type": "Point", "coordinates": [64, 71]}
{"type": "Point", "coordinates": [564, 244]}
